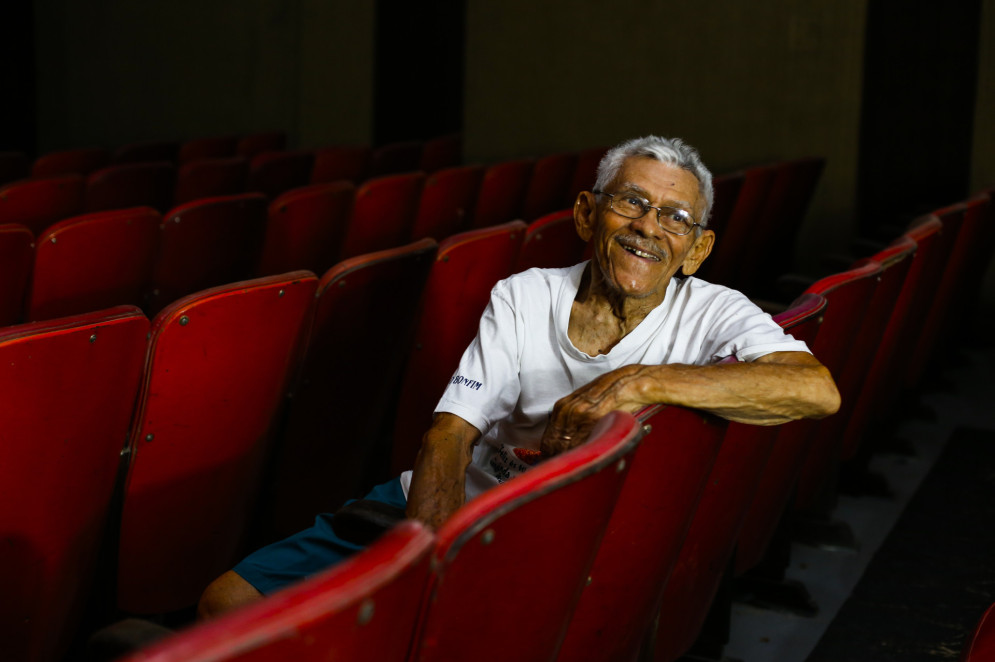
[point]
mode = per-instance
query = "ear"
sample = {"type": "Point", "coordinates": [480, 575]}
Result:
{"type": "Point", "coordinates": [699, 251]}
{"type": "Point", "coordinates": [586, 215]}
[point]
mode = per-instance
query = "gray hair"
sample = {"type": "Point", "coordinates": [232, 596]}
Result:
{"type": "Point", "coordinates": [673, 151]}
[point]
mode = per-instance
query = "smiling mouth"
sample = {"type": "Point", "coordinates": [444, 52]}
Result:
{"type": "Point", "coordinates": [640, 254]}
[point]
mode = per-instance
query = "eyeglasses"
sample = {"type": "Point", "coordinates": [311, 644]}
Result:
{"type": "Point", "coordinates": [630, 205]}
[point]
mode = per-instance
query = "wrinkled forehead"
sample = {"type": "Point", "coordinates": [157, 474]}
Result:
{"type": "Point", "coordinates": [660, 182]}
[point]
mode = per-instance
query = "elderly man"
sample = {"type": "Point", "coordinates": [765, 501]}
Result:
{"type": "Point", "coordinates": [558, 349]}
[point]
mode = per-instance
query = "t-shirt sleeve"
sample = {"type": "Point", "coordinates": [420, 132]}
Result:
{"type": "Point", "coordinates": [743, 330]}
{"type": "Point", "coordinates": [485, 387]}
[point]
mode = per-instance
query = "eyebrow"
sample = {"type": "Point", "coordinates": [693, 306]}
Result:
{"type": "Point", "coordinates": [629, 186]}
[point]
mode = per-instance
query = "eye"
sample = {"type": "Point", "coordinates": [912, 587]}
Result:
{"type": "Point", "coordinates": [634, 200]}
{"type": "Point", "coordinates": [679, 216]}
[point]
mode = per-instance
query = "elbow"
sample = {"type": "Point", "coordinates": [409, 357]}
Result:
{"type": "Point", "coordinates": [829, 399]}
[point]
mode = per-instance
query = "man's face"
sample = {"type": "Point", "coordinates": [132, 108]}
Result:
{"type": "Point", "coordinates": [636, 257]}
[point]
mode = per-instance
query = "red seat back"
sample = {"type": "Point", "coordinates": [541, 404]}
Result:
{"type": "Point", "coordinates": [273, 173]}
{"type": "Point", "coordinates": [305, 228]}
{"type": "Point", "coordinates": [213, 147]}
{"type": "Point", "coordinates": [131, 185]}
{"type": "Point", "coordinates": [784, 461]}
{"type": "Point", "coordinates": [446, 202]}
{"type": "Point", "coordinates": [466, 267]}
{"type": "Point", "coordinates": [207, 243]}
{"type": "Point", "coordinates": [394, 158]}
{"type": "Point", "coordinates": [17, 254]}
{"type": "Point", "coordinates": [37, 203]}
{"type": "Point", "coordinates": [362, 610]}
{"type": "Point", "coordinates": [726, 190]}
{"type": "Point", "coordinates": [94, 261]}
{"type": "Point", "coordinates": [206, 178]}
{"type": "Point", "coordinates": [736, 235]}
{"type": "Point", "coordinates": [256, 143]}
{"type": "Point", "coordinates": [732, 483]}
{"type": "Point", "coordinates": [848, 295]}
{"type": "Point", "coordinates": [351, 376]}
{"type": "Point", "coordinates": [644, 534]}
{"type": "Point", "coordinates": [441, 152]}
{"type": "Point", "coordinates": [218, 368]}
{"type": "Point", "coordinates": [146, 152]}
{"type": "Point", "coordinates": [349, 162]}
{"type": "Point", "coordinates": [68, 388]}
{"type": "Point", "coordinates": [551, 241]}
{"type": "Point", "coordinates": [502, 192]}
{"type": "Point", "coordinates": [981, 646]}
{"type": "Point", "coordinates": [70, 162]}
{"type": "Point", "coordinates": [383, 213]}
{"type": "Point", "coordinates": [585, 173]}
{"type": "Point", "coordinates": [548, 185]}
{"type": "Point", "coordinates": [534, 537]}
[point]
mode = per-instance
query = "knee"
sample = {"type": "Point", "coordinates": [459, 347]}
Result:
{"type": "Point", "coordinates": [227, 592]}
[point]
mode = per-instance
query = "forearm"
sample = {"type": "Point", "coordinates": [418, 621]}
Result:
{"type": "Point", "coordinates": [437, 483]}
{"type": "Point", "coordinates": [761, 393]}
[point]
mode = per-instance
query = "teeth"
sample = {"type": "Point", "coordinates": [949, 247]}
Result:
{"type": "Point", "coordinates": [639, 253]}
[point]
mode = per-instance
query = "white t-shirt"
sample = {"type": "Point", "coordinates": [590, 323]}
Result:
{"type": "Point", "coordinates": [522, 360]}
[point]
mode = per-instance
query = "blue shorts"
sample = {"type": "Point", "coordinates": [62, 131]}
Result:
{"type": "Point", "coordinates": [310, 551]}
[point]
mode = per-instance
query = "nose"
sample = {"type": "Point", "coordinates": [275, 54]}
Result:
{"type": "Point", "coordinates": [647, 225]}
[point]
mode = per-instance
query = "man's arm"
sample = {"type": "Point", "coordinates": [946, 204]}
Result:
{"type": "Point", "coordinates": [774, 389]}
{"type": "Point", "coordinates": [437, 482]}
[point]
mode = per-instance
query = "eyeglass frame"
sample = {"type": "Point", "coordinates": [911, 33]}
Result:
{"type": "Point", "coordinates": [659, 213]}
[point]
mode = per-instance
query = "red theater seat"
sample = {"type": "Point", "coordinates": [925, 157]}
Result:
{"type": "Point", "coordinates": [349, 162]}
{"type": "Point", "coordinates": [502, 193]}
{"type": "Point", "coordinates": [510, 565]}
{"type": "Point", "coordinates": [585, 172]}
{"type": "Point", "coordinates": [17, 253]}
{"type": "Point", "coordinates": [981, 646]}
{"type": "Point", "coordinates": [131, 185]}
{"type": "Point", "coordinates": [94, 261]}
{"type": "Point", "coordinates": [446, 201]}
{"type": "Point", "coordinates": [68, 389]}
{"type": "Point", "coordinates": [383, 213]}
{"type": "Point", "coordinates": [257, 143]}
{"type": "Point", "coordinates": [644, 535]}
{"type": "Point", "coordinates": [146, 152]}
{"type": "Point", "coordinates": [218, 368]}
{"type": "Point", "coordinates": [206, 178]}
{"type": "Point", "coordinates": [273, 173]}
{"type": "Point", "coordinates": [551, 241]}
{"type": "Point", "coordinates": [207, 243]}
{"type": "Point", "coordinates": [466, 267]}
{"type": "Point", "coordinates": [305, 228]}
{"type": "Point", "coordinates": [441, 152]}
{"type": "Point", "coordinates": [214, 147]}
{"type": "Point", "coordinates": [394, 158]}
{"type": "Point", "coordinates": [70, 162]}
{"type": "Point", "coordinates": [335, 442]}
{"type": "Point", "coordinates": [37, 203]}
{"type": "Point", "coordinates": [548, 185]}
{"type": "Point", "coordinates": [362, 610]}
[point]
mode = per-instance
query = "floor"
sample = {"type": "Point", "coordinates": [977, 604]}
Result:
{"type": "Point", "coordinates": [965, 399]}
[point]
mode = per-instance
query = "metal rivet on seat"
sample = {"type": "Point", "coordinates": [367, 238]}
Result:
{"type": "Point", "coordinates": [365, 612]}
{"type": "Point", "coordinates": [621, 465]}
{"type": "Point", "coordinates": [281, 293]}
{"type": "Point", "coordinates": [184, 320]}
{"type": "Point", "coordinates": [647, 428]}
{"type": "Point", "coordinates": [149, 437]}
{"type": "Point", "coordinates": [487, 537]}
{"type": "Point", "coordinates": [589, 580]}
{"type": "Point", "coordinates": [52, 240]}
{"type": "Point", "coordinates": [93, 338]}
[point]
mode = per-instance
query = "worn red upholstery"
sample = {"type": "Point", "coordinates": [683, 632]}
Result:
{"type": "Point", "coordinates": [71, 162]}
{"type": "Point", "coordinates": [510, 565]}
{"type": "Point", "coordinates": [383, 213]}
{"type": "Point", "coordinates": [981, 646]}
{"type": "Point", "coordinates": [17, 253]}
{"type": "Point", "coordinates": [644, 534]}
{"type": "Point", "coordinates": [394, 158]}
{"type": "Point", "coordinates": [305, 228]}
{"type": "Point", "coordinates": [205, 243]}
{"type": "Point", "coordinates": [256, 143]}
{"type": "Point", "coordinates": [466, 267]}
{"type": "Point", "coordinates": [213, 147]}
{"type": "Point", "coordinates": [68, 388]}
{"type": "Point", "coordinates": [502, 193]}
{"type": "Point", "coordinates": [585, 172]}
{"type": "Point", "coordinates": [441, 152]}
{"type": "Point", "coordinates": [146, 152]}
{"type": "Point", "coordinates": [780, 473]}
{"type": "Point", "coordinates": [336, 439]}
{"type": "Point", "coordinates": [218, 369]}
{"type": "Point", "coordinates": [131, 185]}
{"type": "Point", "coordinates": [711, 539]}
{"type": "Point", "coordinates": [736, 236]}
{"type": "Point", "coordinates": [548, 184]}
{"type": "Point", "coordinates": [273, 173]}
{"type": "Point", "coordinates": [446, 201]}
{"type": "Point", "coordinates": [94, 261]}
{"type": "Point", "coordinates": [362, 610]}
{"type": "Point", "coordinates": [206, 178]}
{"type": "Point", "coordinates": [848, 296]}
{"type": "Point", "coordinates": [37, 203]}
{"type": "Point", "coordinates": [551, 241]}
{"type": "Point", "coordinates": [332, 164]}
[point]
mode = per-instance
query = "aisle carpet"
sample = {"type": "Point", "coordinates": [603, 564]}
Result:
{"type": "Point", "coordinates": [934, 576]}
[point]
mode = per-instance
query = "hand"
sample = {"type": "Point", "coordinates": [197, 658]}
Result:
{"type": "Point", "coordinates": [573, 416]}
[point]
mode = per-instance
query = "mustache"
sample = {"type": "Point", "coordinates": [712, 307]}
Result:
{"type": "Point", "coordinates": [642, 244]}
